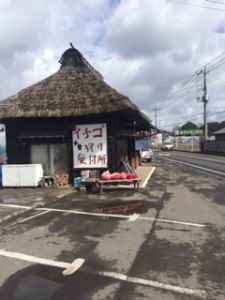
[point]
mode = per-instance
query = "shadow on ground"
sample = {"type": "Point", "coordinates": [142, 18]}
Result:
{"type": "Point", "coordinates": [212, 259]}
{"type": "Point", "coordinates": [44, 283]}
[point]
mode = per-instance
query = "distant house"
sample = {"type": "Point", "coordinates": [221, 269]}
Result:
{"type": "Point", "coordinates": [189, 129]}
{"type": "Point", "coordinates": [216, 146]}
{"type": "Point", "coordinates": [213, 127]}
{"type": "Point", "coordinates": [189, 125]}
{"type": "Point", "coordinates": [220, 135]}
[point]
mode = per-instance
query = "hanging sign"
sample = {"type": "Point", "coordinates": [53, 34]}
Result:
{"type": "Point", "coordinates": [90, 146]}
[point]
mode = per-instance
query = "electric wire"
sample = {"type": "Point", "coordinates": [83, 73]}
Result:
{"type": "Point", "coordinates": [187, 86]}
{"type": "Point", "coordinates": [215, 2]}
{"type": "Point", "coordinates": [182, 2]}
{"type": "Point", "coordinates": [193, 117]}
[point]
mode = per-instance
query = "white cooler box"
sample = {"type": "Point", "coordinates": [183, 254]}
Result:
{"type": "Point", "coordinates": [22, 175]}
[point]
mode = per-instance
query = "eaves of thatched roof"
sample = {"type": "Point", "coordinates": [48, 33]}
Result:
{"type": "Point", "coordinates": [77, 89]}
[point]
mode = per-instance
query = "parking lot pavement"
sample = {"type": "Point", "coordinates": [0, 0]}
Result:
{"type": "Point", "coordinates": [20, 209]}
{"type": "Point", "coordinates": [7, 213]}
{"type": "Point", "coordinates": [18, 201]}
{"type": "Point", "coordinates": [169, 252]}
{"type": "Point", "coordinates": [33, 196]}
{"type": "Point", "coordinates": [107, 245]}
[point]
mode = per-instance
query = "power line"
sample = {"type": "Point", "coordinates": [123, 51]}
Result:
{"type": "Point", "coordinates": [198, 5]}
{"type": "Point", "coordinates": [214, 63]}
{"type": "Point", "coordinates": [191, 83]}
{"type": "Point", "coordinates": [188, 85]}
{"type": "Point", "coordinates": [192, 118]}
{"type": "Point", "coordinates": [185, 87]}
{"type": "Point", "coordinates": [215, 2]}
{"type": "Point", "coordinates": [204, 100]}
{"type": "Point", "coordinates": [204, 97]}
{"type": "Point", "coordinates": [200, 113]}
{"type": "Point", "coordinates": [211, 66]}
{"type": "Point", "coordinates": [182, 120]}
{"type": "Point", "coordinates": [218, 61]}
{"type": "Point", "coordinates": [188, 92]}
{"type": "Point", "coordinates": [211, 84]}
{"type": "Point", "coordinates": [217, 65]}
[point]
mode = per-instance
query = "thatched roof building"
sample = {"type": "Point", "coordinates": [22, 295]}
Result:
{"type": "Point", "coordinates": [77, 89]}
{"type": "Point", "coordinates": [40, 119]}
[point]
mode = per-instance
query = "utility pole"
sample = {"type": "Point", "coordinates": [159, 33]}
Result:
{"type": "Point", "coordinates": [156, 110]}
{"type": "Point", "coordinates": [204, 99]}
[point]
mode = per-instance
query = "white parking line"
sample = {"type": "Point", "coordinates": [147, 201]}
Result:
{"type": "Point", "coordinates": [220, 173]}
{"type": "Point", "coordinates": [79, 212]}
{"type": "Point", "coordinates": [130, 218]}
{"type": "Point", "coordinates": [133, 218]}
{"type": "Point", "coordinates": [15, 206]}
{"type": "Point", "coordinates": [69, 268]}
{"type": "Point", "coordinates": [143, 185]}
{"type": "Point", "coordinates": [136, 216]}
{"type": "Point", "coordinates": [174, 222]}
{"type": "Point", "coordinates": [34, 216]}
{"type": "Point", "coordinates": [200, 293]}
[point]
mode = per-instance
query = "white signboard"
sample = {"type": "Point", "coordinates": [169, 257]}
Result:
{"type": "Point", "coordinates": [90, 146]}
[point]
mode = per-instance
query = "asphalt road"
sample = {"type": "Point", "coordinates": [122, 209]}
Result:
{"type": "Point", "coordinates": [178, 258]}
{"type": "Point", "coordinates": [212, 162]}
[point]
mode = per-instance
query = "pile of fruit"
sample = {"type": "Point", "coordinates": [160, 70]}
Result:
{"type": "Point", "coordinates": [115, 176]}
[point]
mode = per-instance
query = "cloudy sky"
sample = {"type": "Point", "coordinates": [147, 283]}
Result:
{"type": "Point", "coordinates": [147, 49]}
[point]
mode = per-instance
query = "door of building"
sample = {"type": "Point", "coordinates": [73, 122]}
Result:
{"type": "Point", "coordinates": [53, 157]}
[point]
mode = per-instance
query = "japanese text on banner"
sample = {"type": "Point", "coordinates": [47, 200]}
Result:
{"type": "Point", "coordinates": [90, 146]}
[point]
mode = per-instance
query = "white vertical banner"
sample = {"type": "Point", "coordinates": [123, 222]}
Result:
{"type": "Point", "coordinates": [3, 154]}
{"type": "Point", "coordinates": [90, 146]}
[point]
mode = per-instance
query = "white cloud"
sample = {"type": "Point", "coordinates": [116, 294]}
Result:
{"type": "Point", "coordinates": [172, 41]}
{"type": "Point", "coordinates": [143, 48]}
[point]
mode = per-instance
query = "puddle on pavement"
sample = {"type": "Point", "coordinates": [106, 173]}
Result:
{"type": "Point", "coordinates": [124, 207]}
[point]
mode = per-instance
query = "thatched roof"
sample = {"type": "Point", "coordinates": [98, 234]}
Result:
{"type": "Point", "coordinates": [77, 89]}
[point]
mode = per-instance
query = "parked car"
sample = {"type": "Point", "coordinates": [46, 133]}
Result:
{"type": "Point", "coordinates": [146, 155]}
{"type": "Point", "coordinates": [167, 147]}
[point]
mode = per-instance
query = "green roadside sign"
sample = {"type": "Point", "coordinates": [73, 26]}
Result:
{"type": "Point", "coordinates": [188, 132]}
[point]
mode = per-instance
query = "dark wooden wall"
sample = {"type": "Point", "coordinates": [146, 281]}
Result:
{"type": "Point", "coordinates": [21, 133]}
